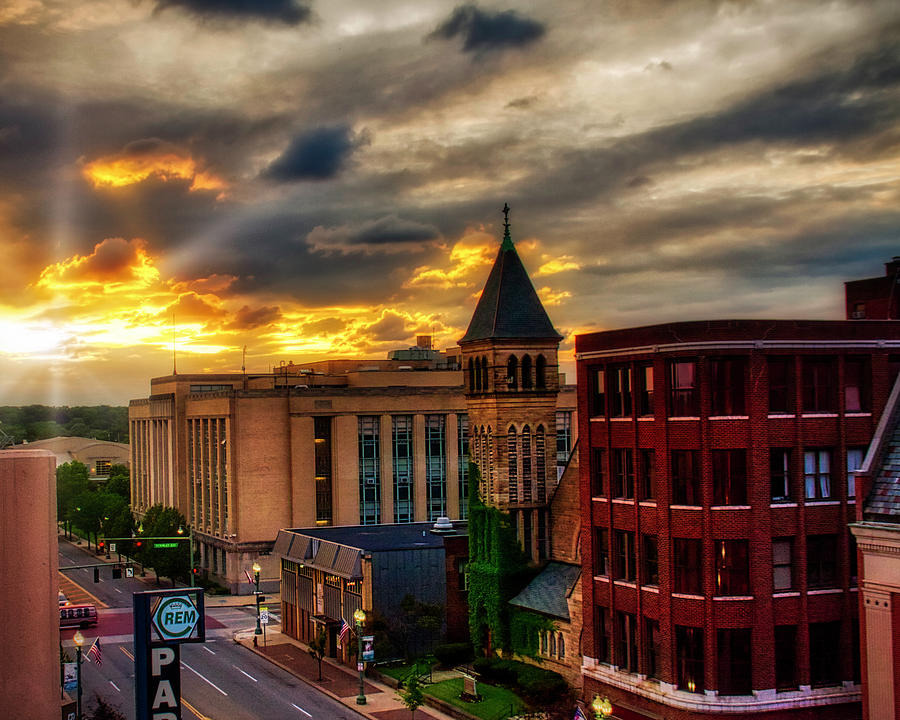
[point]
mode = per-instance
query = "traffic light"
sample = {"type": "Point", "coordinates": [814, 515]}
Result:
{"type": "Point", "coordinates": [195, 571]}
{"type": "Point", "coordinates": [260, 598]}
{"type": "Point", "coordinates": [101, 545]}
{"type": "Point", "coordinates": [117, 572]}
{"type": "Point", "coordinates": [138, 543]}
{"type": "Point", "coordinates": [96, 574]}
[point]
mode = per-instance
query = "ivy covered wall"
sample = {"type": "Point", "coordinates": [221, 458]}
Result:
{"type": "Point", "coordinates": [498, 570]}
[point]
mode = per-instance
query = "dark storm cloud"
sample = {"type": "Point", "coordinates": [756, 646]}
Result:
{"type": "Point", "coordinates": [248, 318]}
{"type": "Point", "coordinates": [853, 109]}
{"type": "Point", "coordinates": [289, 12]}
{"type": "Point", "coordinates": [482, 30]}
{"type": "Point", "coordinates": [317, 154]}
{"type": "Point", "coordinates": [384, 234]}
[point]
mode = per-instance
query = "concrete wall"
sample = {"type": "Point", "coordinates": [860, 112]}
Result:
{"type": "Point", "coordinates": [29, 663]}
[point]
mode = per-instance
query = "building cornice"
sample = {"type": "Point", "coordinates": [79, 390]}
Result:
{"type": "Point", "coordinates": [718, 345]}
{"type": "Point", "coordinates": [761, 700]}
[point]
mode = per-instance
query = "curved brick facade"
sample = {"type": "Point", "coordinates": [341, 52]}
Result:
{"type": "Point", "coordinates": [716, 499]}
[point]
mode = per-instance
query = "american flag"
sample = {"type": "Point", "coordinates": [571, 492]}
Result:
{"type": "Point", "coordinates": [95, 653]}
{"type": "Point", "coordinates": [249, 579]}
{"type": "Point", "coordinates": [579, 715]}
{"type": "Point", "coordinates": [345, 632]}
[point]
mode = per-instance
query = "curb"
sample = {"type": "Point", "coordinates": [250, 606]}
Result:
{"type": "Point", "coordinates": [303, 679]}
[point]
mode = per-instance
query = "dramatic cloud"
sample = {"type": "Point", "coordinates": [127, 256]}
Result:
{"type": "Point", "coordinates": [151, 158]}
{"type": "Point", "coordinates": [289, 12]}
{"type": "Point", "coordinates": [318, 154]}
{"type": "Point", "coordinates": [386, 234]}
{"type": "Point", "coordinates": [482, 30]}
{"type": "Point", "coordinates": [313, 187]}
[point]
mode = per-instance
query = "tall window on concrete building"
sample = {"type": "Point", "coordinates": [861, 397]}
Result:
{"type": "Point", "coordinates": [435, 466]}
{"type": "Point", "coordinates": [540, 462]}
{"type": "Point", "coordinates": [819, 385]}
{"type": "Point", "coordinates": [322, 441]}
{"type": "Point", "coordinates": [684, 390]}
{"type": "Point", "coordinates": [369, 485]}
{"type": "Point", "coordinates": [689, 658]}
{"type": "Point", "coordinates": [462, 434]}
{"type": "Point", "coordinates": [402, 432]}
{"type": "Point", "coordinates": [781, 385]}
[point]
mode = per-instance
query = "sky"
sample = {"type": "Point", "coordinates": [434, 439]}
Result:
{"type": "Point", "coordinates": [309, 179]}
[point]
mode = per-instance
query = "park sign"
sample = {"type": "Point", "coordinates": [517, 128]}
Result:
{"type": "Point", "coordinates": [163, 621]}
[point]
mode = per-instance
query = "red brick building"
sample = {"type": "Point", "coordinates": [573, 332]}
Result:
{"type": "Point", "coordinates": [876, 298]}
{"type": "Point", "coordinates": [719, 570]}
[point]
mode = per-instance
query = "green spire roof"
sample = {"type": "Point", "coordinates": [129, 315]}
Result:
{"type": "Point", "coordinates": [509, 306]}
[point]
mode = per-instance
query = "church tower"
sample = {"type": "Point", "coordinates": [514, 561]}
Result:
{"type": "Point", "coordinates": [511, 373]}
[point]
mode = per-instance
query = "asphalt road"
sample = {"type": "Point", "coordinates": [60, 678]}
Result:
{"type": "Point", "coordinates": [220, 680]}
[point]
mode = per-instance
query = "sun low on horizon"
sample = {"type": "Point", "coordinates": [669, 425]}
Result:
{"type": "Point", "coordinates": [213, 183]}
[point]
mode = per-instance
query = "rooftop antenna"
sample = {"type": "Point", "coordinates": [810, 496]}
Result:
{"type": "Point", "coordinates": [174, 366]}
{"type": "Point", "coordinates": [244, 360]}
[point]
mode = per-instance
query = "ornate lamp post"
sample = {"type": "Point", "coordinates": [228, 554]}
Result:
{"type": "Point", "coordinates": [256, 569]}
{"type": "Point", "coordinates": [360, 617]}
{"type": "Point", "coordinates": [602, 707]}
{"type": "Point", "coordinates": [79, 641]}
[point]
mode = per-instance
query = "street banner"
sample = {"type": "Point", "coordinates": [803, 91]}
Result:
{"type": "Point", "coordinates": [368, 653]}
{"type": "Point", "coordinates": [70, 677]}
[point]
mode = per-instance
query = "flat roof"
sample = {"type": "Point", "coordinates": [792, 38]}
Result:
{"type": "Point", "coordinates": [397, 536]}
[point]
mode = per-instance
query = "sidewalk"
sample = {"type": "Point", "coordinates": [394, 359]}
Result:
{"type": "Point", "coordinates": [338, 681]}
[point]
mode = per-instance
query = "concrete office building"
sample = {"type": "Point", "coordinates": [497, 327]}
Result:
{"type": "Point", "coordinates": [338, 442]}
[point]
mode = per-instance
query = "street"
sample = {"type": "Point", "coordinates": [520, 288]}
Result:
{"type": "Point", "coordinates": [220, 680]}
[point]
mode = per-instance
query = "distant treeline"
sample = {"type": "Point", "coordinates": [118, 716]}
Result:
{"type": "Point", "coordinates": [39, 422]}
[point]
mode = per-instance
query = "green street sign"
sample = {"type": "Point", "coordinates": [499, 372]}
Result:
{"type": "Point", "coordinates": [165, 545]}
{"type": "Point", "coordinates": [175, 617]}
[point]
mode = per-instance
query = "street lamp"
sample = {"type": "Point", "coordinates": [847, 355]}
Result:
{"type": "Point", "coordinates": [256, 569]}
{"type": "Point", "coordinates": [360, 617]}
{"type": "Point", "coordinates": [190, 547]}
{"type": "Point", "coordinates": [602, 707]}
{"type": "Point", "coordinates": [79, 641]}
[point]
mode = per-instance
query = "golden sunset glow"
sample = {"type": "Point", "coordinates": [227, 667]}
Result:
{"type": "Point", "coordinates": [313, 180]}
{"type": "Point", "coordinates": [130, 169]}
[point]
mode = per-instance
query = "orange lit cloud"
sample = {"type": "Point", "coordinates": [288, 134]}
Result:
{"type": "Point", "coordinates": [114, 261]}
{"type": "Point", "coordinates": [151, 158]}
{"type": "Point", "coordinates": [558, 265]}
{"type": "Point", "coordinates": [476, 249]}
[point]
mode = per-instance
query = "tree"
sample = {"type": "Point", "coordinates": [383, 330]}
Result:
{"type": "Point", "coordinates": [411, 693]}
{"type": "Point", "coordinates": [163, 521]}
{"type": "Point", "coordinates": [71, 482]}
{"type": "Point", "coordinates": [119, 482]}
{"type": "Point", "coordinates": [103, 711]}
{"type": "Point", "coordinates": [317, 648]}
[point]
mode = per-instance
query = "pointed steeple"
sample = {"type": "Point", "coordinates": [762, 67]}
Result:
{"type": "Point", "coordinates": [509, 306]}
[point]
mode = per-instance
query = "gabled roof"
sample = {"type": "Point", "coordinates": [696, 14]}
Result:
{"type": "Point", "coordinates": [547, 593]}
{"type": "Point", "coordinates": [883, 502]}
{"type": "Point", "coordinates": [509, 307]}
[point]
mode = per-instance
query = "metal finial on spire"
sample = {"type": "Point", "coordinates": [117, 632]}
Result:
{"type": "Point", "coordinates": [507, 240]}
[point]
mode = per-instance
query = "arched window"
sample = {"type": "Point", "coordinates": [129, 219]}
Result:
{"type": "Point", "coordinates": [472, 377]}
{"type": "Point", "coordinates": [512, 369]}
{"type": "Point", "coordinates": [490, 461]}
{"type": "Point", "coordinates": [512, 459]}
{"type": "Point", "coordinates": [541, 367]}
{"type": "Point", "coordinates": [561, 647]}
{"type": "Point", "coordinates": [527, 478]}
{"type": "Point", "coordinates": [526, 373]}
{"type": "Point", "coordinates": [540, 454]}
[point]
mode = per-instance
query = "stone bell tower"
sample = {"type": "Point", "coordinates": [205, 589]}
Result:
{"type": "Point", "coordinates": [511, 373]}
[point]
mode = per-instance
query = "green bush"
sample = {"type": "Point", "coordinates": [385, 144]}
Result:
{"type": "Point", "coordinates": [452, 654]}
{"type": "Point", "coordinates": [533, 683]}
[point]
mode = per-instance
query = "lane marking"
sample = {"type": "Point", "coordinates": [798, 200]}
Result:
{"type": "Point", "coordinates": [302, 710]}
{"type": "Point", "coordinates": [208, 650]}
{"type": "Point", "coordinates": [209, 682]}
{"type": "Point", "coordinates": [114, 685]}
{"type": "Point", "coordinates": [194, 710]}
{"type": "Point", "coordinates": [128, 654]}
{"type": "Point", "coordinates": [247, 674]}
{"type": "Point", "coordinates": [117, 590]}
